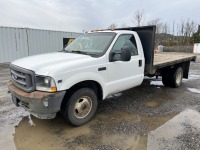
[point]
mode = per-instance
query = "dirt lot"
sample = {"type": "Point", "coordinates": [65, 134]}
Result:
{"type": "Point", "coordinates": [150, 116]}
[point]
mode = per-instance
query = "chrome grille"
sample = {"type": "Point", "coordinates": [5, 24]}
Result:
{"type": "Point", "coordinates": [23, 78]}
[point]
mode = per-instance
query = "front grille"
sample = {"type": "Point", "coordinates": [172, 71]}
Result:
{"type": "Point", "coordinates": [22, 78]}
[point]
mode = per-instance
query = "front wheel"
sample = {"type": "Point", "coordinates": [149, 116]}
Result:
{"type": "Point", "coordinates": [81, 107]}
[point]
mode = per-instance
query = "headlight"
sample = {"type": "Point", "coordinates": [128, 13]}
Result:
{"type": "Point", "coordinates": [45, 84]}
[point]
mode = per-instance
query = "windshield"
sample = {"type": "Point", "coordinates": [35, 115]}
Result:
{"type": "Point", "coordinates": [91, 43]}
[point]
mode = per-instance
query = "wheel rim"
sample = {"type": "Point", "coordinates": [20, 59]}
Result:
{"type": "Point", "coordinates": [82, 107]}
{"type": "Point", "coordinates": [179, 76]}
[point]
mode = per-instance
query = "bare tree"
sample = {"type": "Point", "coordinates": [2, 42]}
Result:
{"type": "Point", "coordinates": [173, 27]}
{"type": "Point", "coordinates": [112, 26]}
{"type": "Point", "coordinates": [138, 18]}
{"type": "Point", "coordinates": [166, 31]}
{"type": "Point", "coordinates": [182, 27]}
{"type": "Point", "coordinates": [173, 32]}
{"type": "Point", "coordinates": [190, 27]}
{"type": "Point", "coordinates": [187, 28]}
{"type": "Point", "coordinates": [179, 33]}
{"type": "Point", "coordinates": [124, 25]}
{"type": "Point", "coordinates": [166, 28]}
{"type": "Point", "coordinates": [157, 22]}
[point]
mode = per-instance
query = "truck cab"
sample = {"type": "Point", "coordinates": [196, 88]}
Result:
{"type": "Point", "coordinates": [73, 80]}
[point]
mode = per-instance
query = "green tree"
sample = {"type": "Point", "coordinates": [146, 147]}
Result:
{"type": "Point", "coordinates": [196, 36]}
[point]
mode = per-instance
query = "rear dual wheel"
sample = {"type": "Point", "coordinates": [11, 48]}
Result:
{"type": "Point", "coordinates": [178, 77]}
{"type": "Point", "coordinates": [173, 77]}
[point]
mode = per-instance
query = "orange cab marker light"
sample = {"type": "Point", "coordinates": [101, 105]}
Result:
{"type": "Point", "coordinates": [53, 89]}
{"type": "Point", "coordinates": [97, 30]}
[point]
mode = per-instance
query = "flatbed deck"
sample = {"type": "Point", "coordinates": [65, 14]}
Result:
{"type": "Point", "coordinates": [169, 58]}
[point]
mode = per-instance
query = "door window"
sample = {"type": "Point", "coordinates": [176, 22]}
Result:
{"type": "Point", "coordinates": [125, 40]}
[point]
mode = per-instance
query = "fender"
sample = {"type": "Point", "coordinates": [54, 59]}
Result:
{"type": "Point", "coordinates": [79, 77]}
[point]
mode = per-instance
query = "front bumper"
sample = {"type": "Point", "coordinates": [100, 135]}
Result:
{"type": "Point", "coordinates": [42, 105]}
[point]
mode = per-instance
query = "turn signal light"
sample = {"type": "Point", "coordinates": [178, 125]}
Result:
{"type": "Point", "coordinates": [53, 89]}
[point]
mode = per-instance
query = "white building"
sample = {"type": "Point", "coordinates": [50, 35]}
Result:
{"type": "Point", "coordinates": [16, 43]}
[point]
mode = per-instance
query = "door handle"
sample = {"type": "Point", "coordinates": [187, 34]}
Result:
{"type": "Point", "coordinates": [102, 69]}
{"type": "Point", "coordinates": [140, 63]}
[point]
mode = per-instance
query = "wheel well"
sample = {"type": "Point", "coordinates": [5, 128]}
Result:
{"type": "Point", "coordinates": [84, 84]}
{"type": "Point", "coordinates": [185, 66]}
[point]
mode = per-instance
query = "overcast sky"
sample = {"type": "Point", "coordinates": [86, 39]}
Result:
{"type": "Point", "coordinates": [79, 15]}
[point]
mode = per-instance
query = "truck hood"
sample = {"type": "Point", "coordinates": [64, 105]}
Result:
{"type": "Point", "coordinates": [44, 64]}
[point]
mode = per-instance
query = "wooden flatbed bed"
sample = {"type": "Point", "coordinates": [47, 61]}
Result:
{"type": "Point", "coordinates": [170, 58]}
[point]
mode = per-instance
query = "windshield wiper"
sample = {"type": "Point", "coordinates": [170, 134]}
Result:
{"type": "Point", "coordinates": [86, 53]}
{"type": "Point", "coordinates": [79, 52]}
{"type": "Point", "coordinates": [67, 51]}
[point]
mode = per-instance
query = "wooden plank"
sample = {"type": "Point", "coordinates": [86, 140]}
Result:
{"type": "Point", "coordinates": [164, 58]}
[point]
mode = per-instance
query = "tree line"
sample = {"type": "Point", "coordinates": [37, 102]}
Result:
{"type": "Point", "coordinates": [183, 32]}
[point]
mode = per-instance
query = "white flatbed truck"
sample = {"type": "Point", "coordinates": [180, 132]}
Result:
{"type": "Point", "coordinates": [92, 67]}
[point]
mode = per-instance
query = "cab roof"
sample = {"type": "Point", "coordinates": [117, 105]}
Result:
{"type": "Point", "coordinates": [113, 31]}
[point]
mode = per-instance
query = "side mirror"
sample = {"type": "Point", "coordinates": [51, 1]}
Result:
{"type": "Point", "coordinates": [125, 53]}
{"type": "Point", "coordinates": [111, 56]}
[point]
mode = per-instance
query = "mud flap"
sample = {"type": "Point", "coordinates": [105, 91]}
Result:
{"type": "Point", "coordinates": [15, 101]}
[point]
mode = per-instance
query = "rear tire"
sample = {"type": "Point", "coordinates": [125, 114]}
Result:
{"type": "Point", "coordinates": [165, 79]}
{"type": "Point", "coordinates": [81, 107]}
{"type": "Point", "coordinates": [175, 78]}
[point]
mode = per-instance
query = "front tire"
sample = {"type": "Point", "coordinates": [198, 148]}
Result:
{"type": "Point", "coordinates": [81, 107]}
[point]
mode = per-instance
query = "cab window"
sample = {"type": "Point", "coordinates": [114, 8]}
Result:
{"type": "Point", "coordinates": [126, 40]}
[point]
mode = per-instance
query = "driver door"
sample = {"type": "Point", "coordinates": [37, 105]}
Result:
{"type": "Point", "coordinates": [124, 75]}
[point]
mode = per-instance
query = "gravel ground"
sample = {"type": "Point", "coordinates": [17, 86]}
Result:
{"type": "Point", "coordinates": [190, 139]}
{"type": "Point", "coordinates": [123, 121]}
